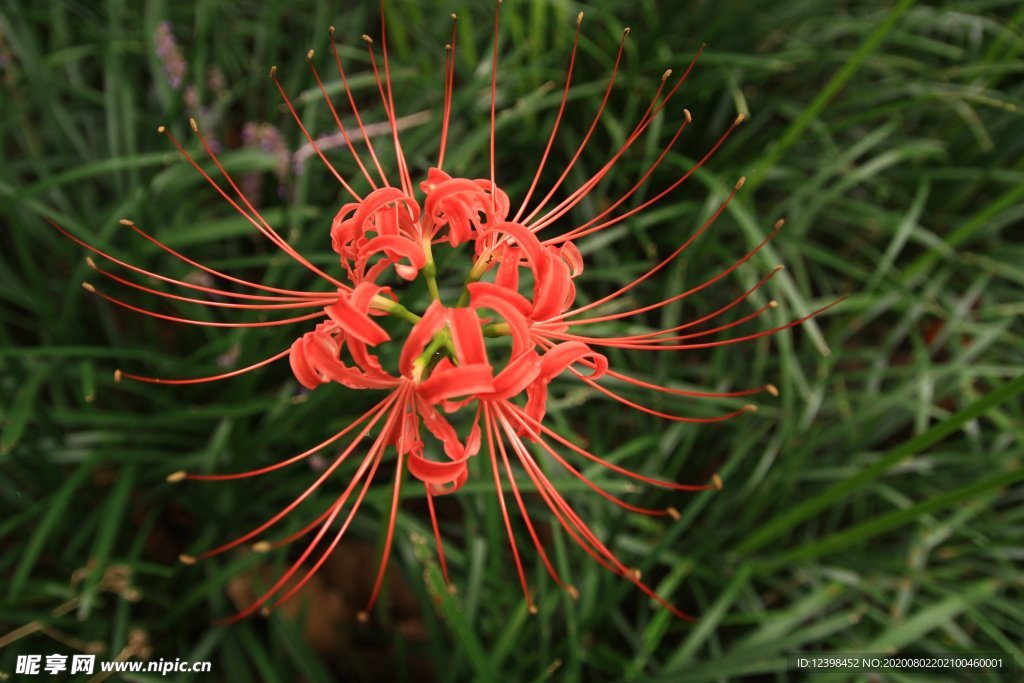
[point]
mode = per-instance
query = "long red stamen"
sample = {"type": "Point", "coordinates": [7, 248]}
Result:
{"type": "Point", "coordinates": [504, 513]}
{"type": "Point", "coordinates": [309, 137]}
{"type": "Point", "coordinates": [280, 241]}
{"type": "Point", "coordinates": [714, 344]}
{"type": "Point", "coordinates": [386, 554]}
{"type": "Point", "coordinates": [578, 195]}
{"type": "Point", "coordinates": [524, 514]}
{"type": "Point", "coordinates": [304, 303]}
{"type": "Point", "coordinates": [437, 535]}
{"type": "Point", "coordinates": [767, 388]}
{"type": "Point", "coordinates": [657, 413]}
{"type": "Point", "coordinates": [449, 86]}
{"type": "Point", "coordinates": [267, 546]}
{"type": "Point", "coordinates": [709, 316]}
{"type": "Point", "coordinates": [664, 262]}
{"type": "Point", "coordinates": [182, 283]}
{"type": "Point", "coordinates": [402, 173]}
{"type": "Point", "coordinates": [202, 323]}
{"type": "Point", "coordinates": [652, 512]}
{"type": "Point", "coordinates": [262, 225]}
{"type": "Point", "coordinates": [377, 455]}
{"type": "Point", "coordinates": [631, 574]}
{"type": "Point", "coordinates": [536, 425]}
{"type": "Point", "coordinates": [290, 293]}
{"type": "Point", "coordinates": [548, 493]}
{"type": "Point", "coordinates": [626, 342]}
{"type": "Point", "coordinates": [372, 460]}
{"type": "Point", "coordinates": [337, 121]}
{"type": "Point", "coordinates": [494, 94]}
{"type": "Point", "coordinates": [305, 494]}
{"type": "Point", "coordinates": [403, 167]}
{"type": "Point", "coordinates": [678, 84]}
{"type": "Point", "coordinates": [355, 112]}
{"type": "Point", "coordinates": [585, 229]}
{"type": "Point", "coordinates": [558, 119]}
{"type": "Point", "coordinates": [749, 408]}
{"type": "Point", "coordinates": [119, 375]}
{"type": "Point", "coordinates": [590, 132]}
{"type": "Point", "coordinates": [375, 410]}
{"type": "Point", "coordinates": [646, 120]}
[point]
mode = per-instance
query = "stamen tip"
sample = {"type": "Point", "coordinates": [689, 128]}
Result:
{"type": "Point", "coordinates": [634, 574]}
{"type": "Point", "coordinates": [667, 75]}
{"type": "Point", "coordinates": [309, 55]}
{"type": "Point", "coordinates": [330, 29]}
{"type": "Point", "coordinates": [273, 71]}
{"type": "Point", "coordinates": [88, 287]}
{"type": "Point", "coordinates": [572, 591]}
{"type": "Point", "coordinates": [532, 608]}
{"type": "Point", "coordinates": [90, 262]}
{"type": "Point", "coordinates": [673, 513]}
{"type": "Point", "coordinates": [716, 481]}
{"type": "Point", "coordinates": [448, 47]}
{"type": "Point", "coordinates": [175, 477]}
{"type": "Point", "coordinates": [779, 223]}
{"type": "Point", "coordinates": [625, 32]}
{"type": "Point", "coordinates": [261, 547]}
{"type": "Point", "coordinates": [688, 115]}
{"type": "Point", "coordinates": [128, 221]}
{"type": "Point", "coordinates": [455, 17]}
{"type": "Point", "coordinates": [161, 129]}
{"type": "Point", "coordinates": [579, 18]}
{"type": "Point", "coordinates": [452, 589]}
{"type": "Point", "coordinates": [772, 389]}
{"type": "Point", "coordinates": [778, 268]}
{"type": "Point", "coordinates": [117, 375]}
{"type": "Point", "coordinates": [363, 617]}
{"type": "Point", "coordinates": [186, 559]}
{"type": "Point", "coordinates": [368, 39]}
{"type": "Point", "coordinates": [773, 304]}
{"type": "Point", "coordinates": [265, 611]}
{"type": "Point", "coordinates": [195, 126]}
{"type": "Point", "coordinates": [740, 119]}
{"type": "Point", "coordinates": [750, 408]}
{"type": "Point", "coordinates": [740, 182]}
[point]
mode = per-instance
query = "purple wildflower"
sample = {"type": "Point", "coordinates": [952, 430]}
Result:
{"type": "Point", "coordinates": [168, 52]}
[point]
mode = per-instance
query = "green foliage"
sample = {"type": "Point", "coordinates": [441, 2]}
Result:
{"type": "Point", "coordinates": [873, 507]}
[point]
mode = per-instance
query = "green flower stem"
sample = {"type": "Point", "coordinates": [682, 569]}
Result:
{"type": "Point", "coordinates": [426, 360]}
{"type": "Point", "coordinates": [479, 268]}
{"type": "Point", "coordinates": [497, 330]}
{"type": "Point", "coordinates": [382, 303]}
{"type": "Point", "coordinates": [430, 271]}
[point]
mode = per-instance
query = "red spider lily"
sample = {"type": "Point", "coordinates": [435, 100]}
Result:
{"type": "Point", "coordinates": [521, 286]}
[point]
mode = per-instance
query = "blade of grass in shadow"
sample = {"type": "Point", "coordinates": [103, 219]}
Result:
{"type": "Point", "coordinates": [867, 530]}
{"type": "Point", "coordinates": [58, 504]}
{"type": "Point", "coordinates": [779, 525]}
{"type": "Point", "coordinates": [906, 631]}
{"type": "Point", "coordinates": [20, 407]}
{"type": "Point", "coordinates": [468, 642]}
{"type": "Point", "coordinates": [114, 513]}
{"type": "Point", "coordinates": [710, 620]}
{"type": "Point", "coordinates": [304, 659]}
{"type": "Point", "coordinates": [979, 221]}
{"type": "Point", "coordinates": [796, 129]}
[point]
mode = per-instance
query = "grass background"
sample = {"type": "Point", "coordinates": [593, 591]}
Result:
{"type": "Point", "coordinates": [874, 507]}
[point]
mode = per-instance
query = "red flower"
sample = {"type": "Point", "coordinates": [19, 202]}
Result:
{"type": "Point", "coordinates": [450, 395]}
